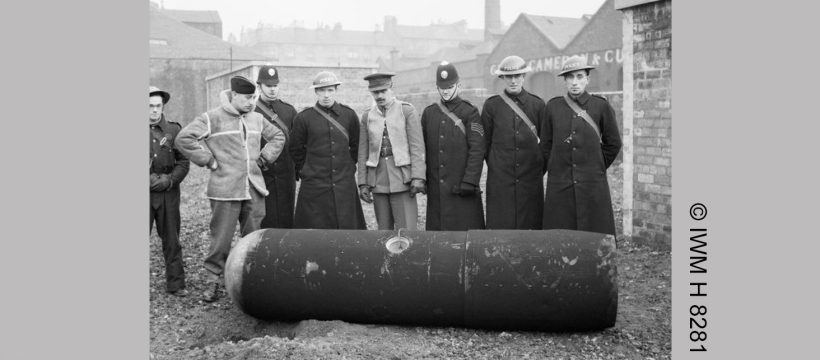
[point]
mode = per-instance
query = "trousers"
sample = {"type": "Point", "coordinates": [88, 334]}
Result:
{"type": "Point", "coordinates": [396, 210]}
{"type": "Point", "coordinates": [224, 217]}
{"type": "Point", "coordinates": [165, 212]}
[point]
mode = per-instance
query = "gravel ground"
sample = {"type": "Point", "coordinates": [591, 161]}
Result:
{"type": "Point", "coordinates": [187, 328]}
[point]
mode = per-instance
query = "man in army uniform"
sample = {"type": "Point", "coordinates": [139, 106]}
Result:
{"type": "Point", "coordinates": [391, 157]}
{"type": "Point", "coordinates": [324, 144]}
{"type": "Point", "coordinates": [167, 169]}
{"type": "Point", "coordinates": [227, 141]}
{"type": "Point", "coordinates": [581, 139]}
{"type": "Point", "coordinates": [280, 177]}
{"type": "Point", "coordinates": [515, 165]}
{"type": "Point", "coordinates": [454, 140]}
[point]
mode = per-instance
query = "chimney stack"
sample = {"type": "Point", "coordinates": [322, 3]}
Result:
{"type": "Point", "coordinates": [492, 18]}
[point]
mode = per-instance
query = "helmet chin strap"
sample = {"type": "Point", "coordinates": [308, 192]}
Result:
{"type": "Point", "coordinates": [452, 96]}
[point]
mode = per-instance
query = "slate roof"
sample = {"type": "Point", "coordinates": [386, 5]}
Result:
{"type": "Point", "coordinates": [171, 39]}
{"type": "Point", "coordinates": [559, 30]}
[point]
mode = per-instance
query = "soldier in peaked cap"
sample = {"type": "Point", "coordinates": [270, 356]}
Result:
{"type": "Point", "coordinates": [167, 169]}
{"type": "Point", "coordinates": [454, 140]}
{"type": "Point", "coordinates": [515, 165]}
{"type": "Point", "coordinates": [391, 156]}
{"type": "Point", "coordinates": [324, 144]}
{"type": "Point", "coordinates": [280, 177]}
{"type": "Point", "coordinates": [227, 141]}
{"type": "Point", "coordinates": [581, 139]}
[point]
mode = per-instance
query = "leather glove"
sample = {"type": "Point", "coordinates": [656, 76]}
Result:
{"type": "Point", "coordinates": [366, 194]}
{"type": "Point", "coordinates": [464, 189]}
{"type": "Point", "coordinates": [152, 180]}
{"type": "Point", "coordinates": [262, 163]}
{"type": "Point", "coordinates": [417, 186]}
{"type": "Point", "coordinates": [163, 183]}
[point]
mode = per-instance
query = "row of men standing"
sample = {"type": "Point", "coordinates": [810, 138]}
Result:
{"type": "Point", "coordinates": [521, 137]}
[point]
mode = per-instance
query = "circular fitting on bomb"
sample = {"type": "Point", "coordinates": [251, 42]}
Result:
{"type": "Point", "coordinates": [397, 244]}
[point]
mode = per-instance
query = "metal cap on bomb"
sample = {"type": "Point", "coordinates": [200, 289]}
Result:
{"type": "Point", "coordinates": [325, 79]}
{"type": "Point", "coordinates": [242, 85]}
{"type": "Point", "coordinates": [446, 75]}
{"type": "Point", "coordinates": [153, 90]}
{"type": "Point", "coordinates": [268, 76]}
{"type": "Point", "coordinates": [512, 65]}
{"type": "Point", "coordinates": [379, 81]}
{"type": "Point", "coordinates": [573, 63]}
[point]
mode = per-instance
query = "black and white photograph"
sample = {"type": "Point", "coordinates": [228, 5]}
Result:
{"type": "Point", "coordinates": [394, 180]}
{"type": "Point", "coordinates": [466, 179]}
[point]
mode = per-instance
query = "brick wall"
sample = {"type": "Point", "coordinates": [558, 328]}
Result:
{"type": "Point", "coordinates": [649, 123]}
{"type": "Point", "coordinates": [185, 80]}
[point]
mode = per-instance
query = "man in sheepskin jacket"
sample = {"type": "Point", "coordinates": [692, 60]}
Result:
{"type": "Point", "coordinates": [226, 140]}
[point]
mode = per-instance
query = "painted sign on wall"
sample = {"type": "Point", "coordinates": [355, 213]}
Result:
{"type": "Point", "coordinates": [553, 63]}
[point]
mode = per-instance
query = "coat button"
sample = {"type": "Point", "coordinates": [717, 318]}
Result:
{"type": "Point", "coordinates": [574, 165]}
{"type": "Point", "coordinates": [516, 181]}
{"type": "Point", "coordinates": [574, 181]}
{"type": "Point", "coordinates": [442, 165]}
{"type": "Point", "coordinates": [573, 148]}
{"type": "Point", "coordinates": [516, 132]}
{"type": "Point", "coordinates": [442, 136]}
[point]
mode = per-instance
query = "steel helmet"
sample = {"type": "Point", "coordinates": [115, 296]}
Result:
{"type": "Point", "coordinates": [512, 65]}
{"type": "Point", "coordinates": [575, 62]}
{"type": "Point", "coordinates": [325, 79]}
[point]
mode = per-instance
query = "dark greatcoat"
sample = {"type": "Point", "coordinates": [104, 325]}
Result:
{"type": "Point", "coordinates": [577, 189]}
{"type": "Point", "coordinates": [326, 164]}
{"type": "Point", "coordinates": [515, 163]}
{"type": "Point", "coordinates": [280, 178]}
{"type": "Point", "coordinates": [453, 157]}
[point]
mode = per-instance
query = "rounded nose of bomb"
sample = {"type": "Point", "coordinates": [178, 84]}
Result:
{"type": "Point", "coordinates": [235, 264]}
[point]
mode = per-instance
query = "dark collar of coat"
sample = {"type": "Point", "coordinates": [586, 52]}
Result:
{"type": "Point", "coordinates": [581, 99]}
{"type": "Point", "coordinates": [335, 108]}
{"type": "Point", "coordinates": [453, 103]}
{"type": "Point", "coordinates": [520, 97]}
{"type": "Point", "coordinates": [162, 124]}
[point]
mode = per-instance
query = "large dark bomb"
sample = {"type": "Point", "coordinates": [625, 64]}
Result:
{"type": "Point", "coordinates": [552, 280]}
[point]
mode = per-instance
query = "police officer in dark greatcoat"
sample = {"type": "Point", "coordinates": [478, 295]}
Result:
{"type": "Point", "coordinates": [581, 139]}
{"type": "Point", "coordinates": [167, 168]}
{"type": "Point", "coordinates": [325, 146]}
{"type": "Point", "coordinates": [280, 177]}
{"type": "Point", "coordinates": [454, 142]}
{"type": "Point", "coordinates": [515, 165]}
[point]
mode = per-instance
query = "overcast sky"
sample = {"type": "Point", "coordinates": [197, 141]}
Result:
{"type": "Point", "coordinates": [365, 14]}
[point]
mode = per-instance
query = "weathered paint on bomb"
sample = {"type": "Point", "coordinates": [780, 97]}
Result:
{"type": "Point", "coordinates": [531, 280]}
